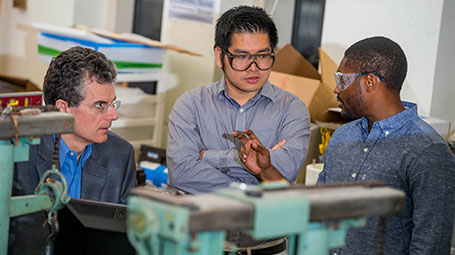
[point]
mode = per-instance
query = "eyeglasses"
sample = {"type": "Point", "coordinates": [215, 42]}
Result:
{"type": "Point", "coordinates": [344, 80]}
{"type": "Point", "coordinates": [104, 107]}
{"type": "Point", "coordinates": [243, 61]}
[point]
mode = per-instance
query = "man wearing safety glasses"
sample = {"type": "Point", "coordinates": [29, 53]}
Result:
{"type": "Point", "coordinates": [203, 153]}
{"type": "Point", "coordinates": [97, 164]}
{"type": "Point", "coordinates": [388, 142]}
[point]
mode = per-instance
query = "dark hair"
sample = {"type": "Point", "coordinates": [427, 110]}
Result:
{"type": "Point", "coordinates": [381, 55]}
{"type": "Point", "coordinates": [65, 79]}
{"type": "Point", "coordinates": [244, 19]}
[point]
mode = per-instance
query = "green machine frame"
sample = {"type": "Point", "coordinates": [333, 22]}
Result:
{"type": "Point", "coordinates": [15, 141]}
{"type": "Point", "coordinates": [314, 219]}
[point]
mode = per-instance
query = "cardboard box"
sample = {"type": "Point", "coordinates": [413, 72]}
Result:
{"type": "Point", "coordinates": [293, 73]}
{"type": "Point", "coordinates": [16, 84]}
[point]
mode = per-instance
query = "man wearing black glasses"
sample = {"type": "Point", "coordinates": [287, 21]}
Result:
{"type": "Point", "coordinates": [203, 153]}
{"type": "Point", "coordinates": [388, 142]}
{"type": "Point", "coordinates": [97, 164]}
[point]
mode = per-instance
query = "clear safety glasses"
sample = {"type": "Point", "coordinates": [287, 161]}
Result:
{"type": "Point", "coordinates": [344, 80]}
{"type": "Point", "coordinates": [104, 107]}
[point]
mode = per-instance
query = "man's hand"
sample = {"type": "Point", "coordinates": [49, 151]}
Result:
{"type": "Point", "coordinates": [278, 145]}
{"type": "Point", "coordinates": [256, 157]}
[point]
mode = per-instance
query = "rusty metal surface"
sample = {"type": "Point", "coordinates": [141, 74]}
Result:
{"type": "Point", "coordinates": [45, 123]}
{"type": "Point", "coordinates": [331, 202]}
{"type": "Point", "coordinates": [208, 211]}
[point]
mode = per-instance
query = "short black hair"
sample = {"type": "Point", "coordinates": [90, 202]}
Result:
{"type": "Point", "coordinates": [381, 55]}
{"type": "Point", "coordinates": [68, 72]}
{"type": "Point", "coordinates": [244, 19]}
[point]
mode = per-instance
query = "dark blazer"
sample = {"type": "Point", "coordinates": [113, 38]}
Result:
{"type": "Point", "coordinates": [108, 175]}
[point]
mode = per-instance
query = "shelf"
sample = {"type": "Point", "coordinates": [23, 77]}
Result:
{"type": "Point", "coordinates": [165, 80]}
{"type": "Point", "coordinates": [126, 122]}
{"type": "Point", "coordinates": [141, 116]}
{"type": "Point", "coordinates": [132, 77]}
{"type": "Point", "coordinates": [140, 99]}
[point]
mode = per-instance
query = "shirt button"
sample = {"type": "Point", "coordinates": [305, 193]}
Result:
{"type": "Point", "coordinates": [365, 149]}
{"type": "Point", "coordinates": [241, 110]}
{"type": "Point", "coordinates": [387, 133]}
{"type": "Point", "coordinates": [72, 153]}
{"type": "Point", "coordinates": [353, 175]}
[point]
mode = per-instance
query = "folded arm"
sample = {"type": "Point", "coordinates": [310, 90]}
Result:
{"type": "Point", "coordinates": [295, 130]}
{"type": "Point", "coordinates": [186, 171]}
{"type": "Point", "coordinates": [285, 158]}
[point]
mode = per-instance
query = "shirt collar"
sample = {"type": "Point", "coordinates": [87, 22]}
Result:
{"type": "Point", "coordinates": [393, 122]}
{"type": "Point", "coordinates": [64, 150]}
{"type": "Point", "coordinates": [86, 154]}
{"type": "Point", "coordinates": [265, 91]}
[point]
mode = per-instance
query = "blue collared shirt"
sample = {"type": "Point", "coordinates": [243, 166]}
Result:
{"type": "Point", "coordinates": [406, 153]}
{"type": "Point", "coordinates": [205, 117]}
{"type": "Point", "coordinates": [71, 168]}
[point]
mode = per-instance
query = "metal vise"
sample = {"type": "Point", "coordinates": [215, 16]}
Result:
{"type": "Point", "coordinates": [314, 219]}
{"type": "Point", "coordinates": [50, 195]}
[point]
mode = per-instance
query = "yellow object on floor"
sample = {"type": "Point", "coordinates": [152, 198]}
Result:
{"type": "Point", "coordinates": [325, 137]}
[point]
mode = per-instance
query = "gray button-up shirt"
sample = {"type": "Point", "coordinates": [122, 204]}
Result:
{"type": "Point", "coordinates": [406, 153]}
{"type": "Point", "coordinates": [205, 117]}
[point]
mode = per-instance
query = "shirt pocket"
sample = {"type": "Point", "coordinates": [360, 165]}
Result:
{"type": "Point", "coordinates": [389, 176]}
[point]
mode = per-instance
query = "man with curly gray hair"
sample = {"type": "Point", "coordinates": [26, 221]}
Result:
{"type": "Point", "coordinates": [97, 164]}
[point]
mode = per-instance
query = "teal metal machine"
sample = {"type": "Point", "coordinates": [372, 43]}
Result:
{"type": "Point", "coordinates": [16, 136]}
{"type": "Point", "coordinates": [314, 219]}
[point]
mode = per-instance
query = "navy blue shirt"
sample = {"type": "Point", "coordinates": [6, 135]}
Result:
{"type": "Point", "coordinates": [205, 117]}
{"type": "Point", "coordinates": [405, 153]}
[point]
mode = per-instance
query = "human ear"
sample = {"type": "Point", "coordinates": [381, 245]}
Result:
{"type": "Point", "coordinates": [371, 82]}
{"type": "Point", "coordinates": [218, 57]}
{"type": "Point", "coordinates": [62, 105]}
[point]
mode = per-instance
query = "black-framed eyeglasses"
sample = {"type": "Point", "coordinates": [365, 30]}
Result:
{"type": "Point", "coordinates": [242, 62]}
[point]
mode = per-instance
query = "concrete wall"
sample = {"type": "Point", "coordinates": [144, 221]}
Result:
{"type": "Point", "coordinates": [282, 12]}
{"type": "Point", "coordinates": [443, 99]}
{"type": "Point", "coordinates": [18, 43]}
{"type": "Point", "coordinates": [192, 71]}
{"type": "Point", "coordinates": [92, 13]}
{"type": "Point", "coordinates": [123, 17]}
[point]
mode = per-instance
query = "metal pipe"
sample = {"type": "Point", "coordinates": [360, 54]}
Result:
{"type": "Point", "coordinates": [21, 205]}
